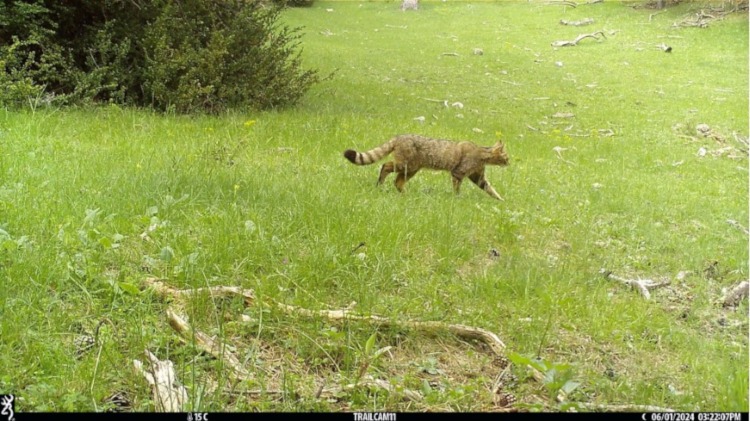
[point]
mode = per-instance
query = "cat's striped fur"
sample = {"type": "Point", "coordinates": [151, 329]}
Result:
{"type": "Point", "coordinates": [411, 153]}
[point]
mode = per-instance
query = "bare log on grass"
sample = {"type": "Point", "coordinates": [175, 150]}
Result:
{"type": "Point", "coordinates": [469, 332]}
{"type": "Point", "coordinates": [737, 225]}
{"type": "Point", "coordinates": [642, 285]}
{"type": "Point", "coordinates": [218, 291]}
{"type": "Point", "coordinates": [596, 35]}
{"type": "Point", "coordinates": [698, 20]}
{"type": "Point", "coordinates": [491, 339]}
{"type": "Point", "coordinates": [206, 343]}
{"type": "Point", "coordinates": [583, 22]}
{"type": "Point", "coordinates": [736, 294]}
{"type": "Point", "coordinates": [651, 16]}
{"type": "Point", "coordinates": [169, 394]}
{"type": "Point", "coordinates": [563, 3]}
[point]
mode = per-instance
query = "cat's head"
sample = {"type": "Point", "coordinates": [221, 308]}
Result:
{"type": "Point", "coordinates": [498, 154]}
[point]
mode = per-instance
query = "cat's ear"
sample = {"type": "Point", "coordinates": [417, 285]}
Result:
{"type": "Point", "coordinates": [498, 145]}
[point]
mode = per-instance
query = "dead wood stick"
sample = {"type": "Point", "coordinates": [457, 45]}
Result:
{"type": "Point", "coordinates": [207, 344]}
{"type": "Point", "coordinates": [491, 339]}
{"type": "Point", "coordinates": [563, 3]}
{"type": "Point", "coordinates": [169, 395]}
{"type": "Point", "coordinates": [651, 16]}
{"type": "Point", "coordinates": [582, 22]}
{"type": "Point", "coordinates": [736, 294]}
{"type": "Point", "coordinates": [578, 39]}
{"type": "Point", "coordinates": [642, 285]}
{"type": "Point", "coordinates": [737, 225]}
{"type": "Point", "coordinates": [451, 54]}
{"type": "Point", "coordinates": [218, 291]}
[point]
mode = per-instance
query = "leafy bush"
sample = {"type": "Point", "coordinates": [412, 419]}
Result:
{"type": "Point", "coordinates": [184, 55]}
{"type": "Point", "coordinates": [295, 3]}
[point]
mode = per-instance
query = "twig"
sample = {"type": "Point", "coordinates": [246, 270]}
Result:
{"type": "Point", "coordinates": [219, 291]}
{"type": "Point", "coordinates": [440, 101]}
{"type": "Point", "coordinates": [578, 39]}
{"type": "Point", "coordinates": [169, 395]}
{"type": "Point", "coordinates": [583, 22]}
{"type": "Point", "coordinates": [737, 225]}
{"type": "Point", "coordinates": [625, 408]}
{"type": "Point", "coordinates": [491, 339]}
{"type": "Point", "coordinates": [651, 16]}
{"type": "Point", "coordinates": [559, 151]}
{"type": "Point", "coordinates": [563, 3]}
{"type": "Point", "coordinates": [642, 285]}
{"type": "Point", "coordinates": [451, 54]}
{"type": "Point", "coordinates": [207, 344]}
{"type": "Point", "coordinates": [736, 294]}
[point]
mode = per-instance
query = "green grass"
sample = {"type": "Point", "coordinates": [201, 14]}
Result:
{"type": "Point", "coordinates": [266, 201]}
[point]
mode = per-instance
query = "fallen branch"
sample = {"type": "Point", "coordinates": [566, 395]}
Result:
{"type": "Point", "coordinates": [451, 54]}
{"type": "Point", "coordinates": [207, 344]}
{"type": "Point", "coordinates": [559, 151]}
{"type": "Point", "coordinates": [578, 39]}
{"type": "Point", "coordinates": [651, 16]}
{"type": "Point", "coordinates": [181, 326]}
{"type": "Point", "coordinates": [440, 101]}
{"type": "Point", "coordinates": [736, 294]}
{"type": "Point", "coordinates": [737, 225]}
{"type": "Point", "coordinates": [700, 20]}
{"type": "Point", "coordinates": [469, 332]}
{"type": "Point", "coordinates": [219, 291]}
{"type": "Point", "coordinates": [583, 22]}
{"type": "Point", "coordinates": [625, 408]}
{"type": "Point", "coordinates": [563, 3]}
{"type": "Point", "coordinates": [642, 285]}
{"type": "Point", "coordinates": [169, 395]}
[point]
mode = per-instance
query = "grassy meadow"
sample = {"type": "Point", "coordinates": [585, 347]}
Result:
{"type": "Point", "coordinates": [607, 171]}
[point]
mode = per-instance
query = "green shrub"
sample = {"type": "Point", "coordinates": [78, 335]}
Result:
{"type": "Point", "coordinates": [294, 3]}
{"type": "Point", "coordinates": [187, 55]}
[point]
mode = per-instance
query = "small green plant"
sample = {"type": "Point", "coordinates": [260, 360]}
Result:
{"type": "Point", "coordinates": [369, 355]}
{"type": "Point", "coordinates": [557, 378]}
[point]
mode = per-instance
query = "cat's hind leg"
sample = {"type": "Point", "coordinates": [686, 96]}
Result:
{"type": "Point", "coordinates": [385, 170]}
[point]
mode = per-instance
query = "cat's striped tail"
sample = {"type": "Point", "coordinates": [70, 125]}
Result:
{"type": "Point", "coordinates": [371, 156]}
